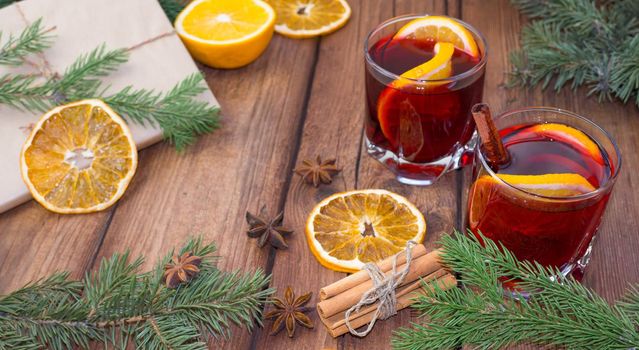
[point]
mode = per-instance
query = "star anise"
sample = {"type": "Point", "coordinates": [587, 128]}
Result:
{"type": "Point", "coordinates": [317, 171]}
{"type": "Point", "coordinates": [181, 269]}
{"type": "Point", "coordinates": [267, 230]}
{"type": "Point", "coordinates": [290, 311]}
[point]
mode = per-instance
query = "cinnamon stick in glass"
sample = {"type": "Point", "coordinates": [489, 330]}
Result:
{"type": "Point", "coordinates": [492, 145]}
{"type": "Point", "coordinates": [359, 277]}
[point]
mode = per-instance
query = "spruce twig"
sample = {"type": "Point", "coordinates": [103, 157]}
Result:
{"type": "Point", "coordinates": [32, 40]}
{"type": "Point", "coordinates": [177, 112]}
{"type": "Point", "coordinates": [562, 313]}
{"type": "Point", "coordinates": [116, 304]}
{"type": "Point", "coordinates": [584, 42]}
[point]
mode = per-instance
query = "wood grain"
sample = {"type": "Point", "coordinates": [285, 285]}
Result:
{"type": "Point", "coordinates": [333, 128]}
{"type": "Point", "coordinates": [35, 242]}
{"type": "Point", "coordinates": [301, 99]}
{"type": "Point", "coordinates": [242, 166]}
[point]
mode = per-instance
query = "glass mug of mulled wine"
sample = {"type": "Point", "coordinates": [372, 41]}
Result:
{"type": "Point", "coordinates": [423, 75]}
{"type": "Point", "coordinates": [546, 203]}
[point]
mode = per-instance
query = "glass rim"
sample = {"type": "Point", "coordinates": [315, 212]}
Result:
{"type": "Point", "coordinates": [475, 69]}
{"type": "Point", "coordinates": [591, 194]}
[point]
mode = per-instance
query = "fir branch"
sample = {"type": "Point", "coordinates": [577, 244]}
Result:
{"type": "Point", "coordinates": [581, 42]}
{"type": "Point", "coordinates": [20, 91]}
{"type": "Point", "coordinates": [562, 313]}
{"type": "Point", "coordinates": [116, 304]}
{"type": "Point", "coordinates": [177, 112]}
{"type": "Point", "coordinates": [80, 79]}
{"type": "Point", "coordinates": [32, 40]}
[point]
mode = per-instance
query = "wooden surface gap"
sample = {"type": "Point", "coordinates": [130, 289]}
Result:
{"type": "Point", "coordinates": [101, 235]}
{"type": "Point", "coordinates": [272, 255]}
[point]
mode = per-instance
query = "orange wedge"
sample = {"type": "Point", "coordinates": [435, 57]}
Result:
{"type": "Point", "coordinates": [550, 185]}
{"type": "Point", "coordinates": [349, 229]}
{"type": "Point", "coordinates": [309, 18]}
{"type": "Point", "coordinates": [571, 136]}
{"type": "Point", "coordinates": [487, 189]}
{"type": "Point", "coordinates": [79, 158]}
{"type": "Point", "coordinates": [440, 29]}
{"type": "Point", "coordinates": [226, 33]}
{"type": "Point", "coordinates": [399, 121]}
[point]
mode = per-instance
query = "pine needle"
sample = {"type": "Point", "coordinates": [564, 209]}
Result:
{"type": "Point", "coordinates": [117, 303]}
{"type": "Point", "coordinates": [561, 313]}
{"type": "Point", "coordinates": [32, 40]}
{"type": "Point", "coordinates": [178, 112]}
{"type": "Point", "coordinates": [580, 42]}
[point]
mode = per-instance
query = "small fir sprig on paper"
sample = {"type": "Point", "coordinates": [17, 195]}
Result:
{"type": "Point", "coordinates": [581, 43]}
{"type": "Point", "coordinates": [563, 313]}
{"type": "Point", "coordinates": [177, 112]}
{"type": "Point", "coordinates": [116, 305]}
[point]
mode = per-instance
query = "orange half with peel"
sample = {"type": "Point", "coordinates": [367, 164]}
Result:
{"type": "Point", "coordinates": [349, 229]}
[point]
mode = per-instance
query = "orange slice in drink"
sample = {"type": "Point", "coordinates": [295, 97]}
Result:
{"type": "Point", "coordinates": [571, 136]}
{"type": "Point", "coordinates": [486, 189]}
{"type": "Point", "coordinates": [440, 29]}
{"type": "Point", "coordinates": [399, 120]}
{"type": "Point", "coordinates": [347, 230]}
{"type": "Point", "coordinates": [550, 185]}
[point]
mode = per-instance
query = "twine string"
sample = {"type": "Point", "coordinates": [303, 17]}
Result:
{"type": "Point", "coordinates": [383, 290]}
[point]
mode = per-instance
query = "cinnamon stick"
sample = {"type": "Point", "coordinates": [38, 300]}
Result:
{"type": "Point", "coordinates": [338, 319]}
{"type": "Point", "coordinates": [422, 266]}
{"type": "Point", "coordinates": [362, 276]}
{"type": "Point", "coordinates": [335, 329]}
{"type": "Point", "coordinates": [492, 145]}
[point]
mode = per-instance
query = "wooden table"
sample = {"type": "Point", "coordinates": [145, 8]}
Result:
{"type": "Point", "coordinates": [300, 99]}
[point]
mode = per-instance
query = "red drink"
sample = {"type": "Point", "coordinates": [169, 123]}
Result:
{"type": "Point", "coordinates": [421, 126]}
{"type": "Point", "coordinates": [416, 127]}
{"type": "Point", "coordinates": [547, 203]}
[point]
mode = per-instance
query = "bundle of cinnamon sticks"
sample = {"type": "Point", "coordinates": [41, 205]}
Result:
{"type": "Point", "coordinates": [337, 298]}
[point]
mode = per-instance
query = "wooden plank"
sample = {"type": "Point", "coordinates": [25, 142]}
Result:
{"type": "Point", "coordinates": [333, 128]}
{"type": "Point", "coordinates": [437, 202]}
{"type": "Point", "coordinates": [35, 242]}
{"type": "Point", "coordinates": [207, 189]}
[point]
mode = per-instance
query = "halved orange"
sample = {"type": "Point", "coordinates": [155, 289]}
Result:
{"type": "Point", "coordinates": [226, 33]}
{"type": "Point", "coordinates": [440, 29]}
{"type": "Point", "coordinates": [571, 136]}
{"type": "Point", "coordinates": [309, 18]}
{"type": "Point", "coordinates": [79, 158]}
{"type": "Point", "coordinates": [349, 229]}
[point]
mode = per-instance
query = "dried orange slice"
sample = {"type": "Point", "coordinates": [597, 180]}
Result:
{"type": "Point", "coordinates": [79, 158]}
{"type": "Point", "coordinates": [349, 229]}
{"type": "Point", "coordinates": [309, 18]}
{"type": "Point", "coordinates": [226, 33]}
{"type": "Point", "coordinates": [440, 29]}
